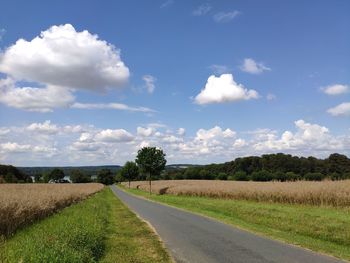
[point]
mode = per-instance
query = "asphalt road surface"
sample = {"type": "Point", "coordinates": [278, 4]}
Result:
{"type": "Point", "coordinates": [197, 239]}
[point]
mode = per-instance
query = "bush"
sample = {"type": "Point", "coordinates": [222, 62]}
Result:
{"type": "Point", "coordinates": [313, 177]}
{"type": "Point", "coordinates": [241, 176]}
{"type": "Point", "coordinates": [280, 176]}
{"type": "Point", "coordinates": [292, 176]}
{"type": "Point", "coordinates": [222, 176]}
{"type": "Point", "coordinates": [261, 176]}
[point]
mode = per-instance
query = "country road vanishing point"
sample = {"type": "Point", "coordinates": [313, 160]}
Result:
{"type": "Point", "coordinates": [198, 239]}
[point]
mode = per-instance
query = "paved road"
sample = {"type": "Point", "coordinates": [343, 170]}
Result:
{"type": "Point", "coordinates": [193, 238]}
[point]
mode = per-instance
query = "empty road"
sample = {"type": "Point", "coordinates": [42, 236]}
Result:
{"type": "Point", "coordinates": [193, 238]}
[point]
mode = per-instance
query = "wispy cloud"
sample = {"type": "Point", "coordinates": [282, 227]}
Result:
{"type": "Point", "coordinates": [111, 106]}
{"type": "Point", "coordinates": [149, 83]}
{"type": "Point", "coordinates": [224, 17]}
{"type": "Point", "coordinates": [2, 33]}
{"type": "Point", "coordinates": [251, 66]}
{"type": "Point", "coordinates": [202, 10]}
{"type": "Point", "coordinates": [167, 3]}
{"type": "Point", "coordinates": [219, 69]}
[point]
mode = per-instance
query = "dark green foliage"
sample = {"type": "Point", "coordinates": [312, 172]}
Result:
{"type": "Point", "coordinates": [78, 176]}
{"type": "Point", "coordinates": [314, 176]}
{"type": "Point", "coordinates": [261, 176]}
{"type": "Point", "coordinates": [11, 174]}
{"type": "Point", "coordinates": [56, 174]}
{"type": "Point", "coordinates": [222, 176]}
{"type": "Point", "coordinates": [105, 176]}
{"type": "Point", "coordinates": [280, 167]}
{"type": "Point", "coordinates": [129, 172]}
{"type": "Point", "coordinates": [240, 176]}
{"type": "Point", "coordinates": [151, 161]}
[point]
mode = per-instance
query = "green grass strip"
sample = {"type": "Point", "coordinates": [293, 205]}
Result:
{"type": "Point", "coordinates": [100, 228]}
{"type": "Point", "coordinates": [321, 229]}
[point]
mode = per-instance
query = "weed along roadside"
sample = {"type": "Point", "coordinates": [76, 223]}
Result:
{"type": "Point", "coordinates": [99, 229]}
{"type": "Point", "coordinates": [319, 228]}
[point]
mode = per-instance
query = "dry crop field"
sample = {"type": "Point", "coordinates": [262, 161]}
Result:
{"type": "Point", "coordinates": [21, 204]}
{"type": "Point", "coordinates": [324, 193]}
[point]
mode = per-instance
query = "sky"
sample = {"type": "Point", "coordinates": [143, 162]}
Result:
{"type": "Point", "coordinates": [92, 82]}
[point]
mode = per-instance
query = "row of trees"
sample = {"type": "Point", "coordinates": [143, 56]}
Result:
{"type": "Point", "coordinates": [280, 167]}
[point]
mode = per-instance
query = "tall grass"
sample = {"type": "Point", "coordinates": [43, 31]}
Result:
{"type": "Point", "coordinates": [325, 193]}
{"type": "Point", "coordinates": [22, 204]}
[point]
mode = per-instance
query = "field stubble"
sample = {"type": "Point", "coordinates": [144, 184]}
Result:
{"type": "Point", "coordinates": [22, 204]}
{"type": "Point", "coordinates": [324, 193]}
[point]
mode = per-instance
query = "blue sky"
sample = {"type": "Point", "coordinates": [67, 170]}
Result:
{"type": "Point", "coordinates": [280, 80]}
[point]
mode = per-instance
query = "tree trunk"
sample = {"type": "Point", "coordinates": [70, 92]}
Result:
{"type": "Point", "coordinates": [150, 183]}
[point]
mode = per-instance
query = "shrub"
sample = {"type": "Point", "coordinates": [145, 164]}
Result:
{"type": "Point", "coordinates": [240, 176]}
{"type": "Point", "coordinates": [314, 176]}
{"type": "Point", "coordinates": [261, 176]}
{"type": "Point", "coordinates": [222, 176]}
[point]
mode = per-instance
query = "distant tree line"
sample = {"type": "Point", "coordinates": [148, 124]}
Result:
{"type": "Point", "coordinates": [150, 165]}
{"type": "Point", "coordinates": [268, 167]}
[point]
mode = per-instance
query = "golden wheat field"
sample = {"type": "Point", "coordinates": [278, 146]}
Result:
{"type": "Point", "coordinates": [21, 204]}
{"type": "Point", "coordinates": [325, 193]}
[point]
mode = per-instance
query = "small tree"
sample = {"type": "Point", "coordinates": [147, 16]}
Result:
{"type": "Point", "coordinates": [130, 171]}
{"type": "Point", "coordinates": [105, 176]}
{"type": "Point", "coordinates": [77, 176]}
{"type": "Point", "coordinates": [56, 174]}
{"type": "Point", "coordinates": [151, 161]}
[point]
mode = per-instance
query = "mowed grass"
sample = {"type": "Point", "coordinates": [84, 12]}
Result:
{"type": "Point", "coordinates": [100, 228]}
{"type": "Point", "coordinates": [322, 229]}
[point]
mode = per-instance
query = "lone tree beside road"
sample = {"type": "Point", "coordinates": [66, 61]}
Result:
{"type": "Point", "coordinates": [151, 161]}
{"type": "Point", "coordinates": [130, 171]}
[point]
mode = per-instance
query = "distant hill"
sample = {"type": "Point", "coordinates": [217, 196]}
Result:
{"type": "Point", "coordinates": [180, 166]}
{"type": "Point", "coordinates": [88, 170]}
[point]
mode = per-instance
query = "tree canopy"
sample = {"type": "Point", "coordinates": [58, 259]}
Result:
{"type": "Point", "coordinates": [105, 176]}
{"type": "Point", "coordinates": [130, 171]}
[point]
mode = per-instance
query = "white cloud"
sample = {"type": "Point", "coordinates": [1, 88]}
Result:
{"type": "Point", "coordinates": [219, 69]}
{"type": "Point", "coordinates": [149, 83]}
{"type": "Point", "coordinates": [239, 143]}
{"type": "Point", "coordinates": [4, 131]}
{"type": "Point", "coordinates": [336, 89]}
{"type": "Point", "coordinates": [118, 135]}
{"type": "Point", "coordinates": [45, 127]}
{"type": "Point", "coordinates": [205, 135]}
{"type": "Point", "coordinates": [181, 131]}
{"type": "Point", "coordinates": [63, 57]}
{"type": "Point", "coordinates": [34, 99]}
{"type": "Point", "coordinates": [14, 147]}
{"type": "Point", "coordinates": [167, 3]}
{"type": "Point", "coordinates": [251, 66]}
{"type": "Point", "coordinates": [112, 106]}
{"type": "Point", "coordinates": [341, 109]}
{"type": "Point", "coordinates": [224, 17]}
{"type": "Point", "coordinates": [224, 89]}
{"type": "Point", "coordinates": [145, 132]}
{"type": "Point", "coordinates": [95, 146]}
{"type": "Point", "coordinates": [202, 10]}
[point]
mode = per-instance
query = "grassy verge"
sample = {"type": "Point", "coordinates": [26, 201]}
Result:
{"type": "Point", "coordinates": [320, 229]}
{"type": "Point", "coordinates": [100, 228]}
